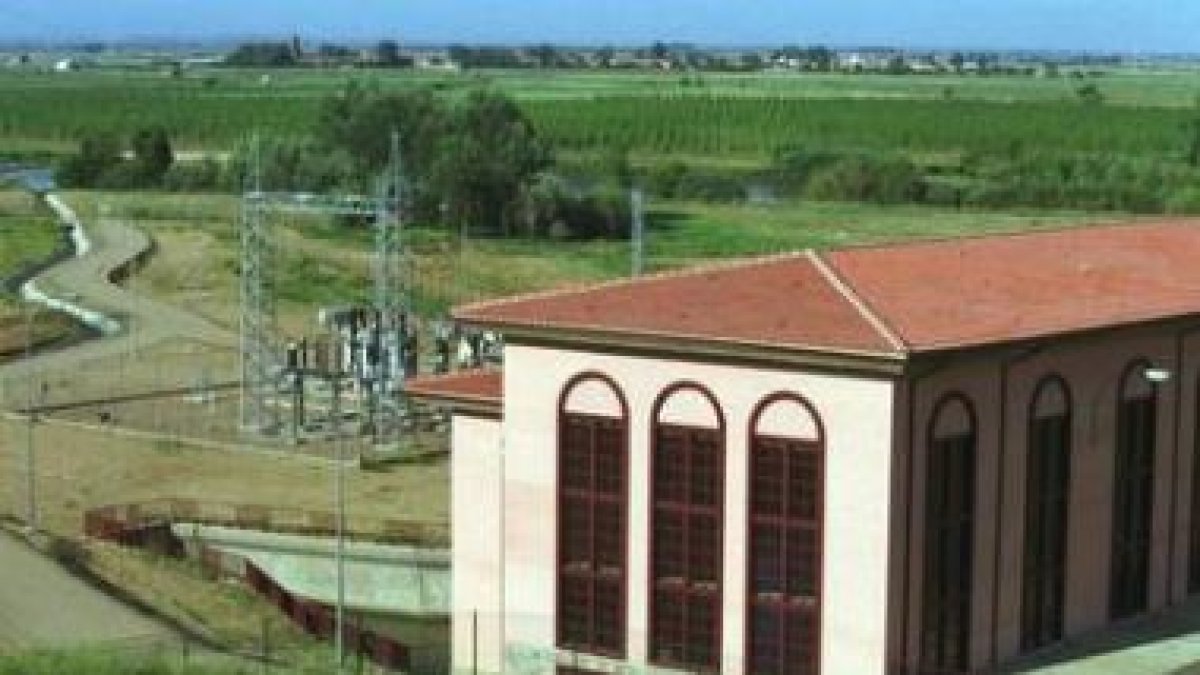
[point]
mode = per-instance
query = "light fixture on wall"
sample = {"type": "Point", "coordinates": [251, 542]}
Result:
{"type": "Point", "coordinates": [1156, 375]}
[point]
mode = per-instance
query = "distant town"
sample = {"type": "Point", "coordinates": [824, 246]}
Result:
{"type": "Point", "coordinates": [297, 52]}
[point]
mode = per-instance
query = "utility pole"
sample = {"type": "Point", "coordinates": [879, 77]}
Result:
{"type": "Point", "coordinates": [31, 511]}
{"type": "Point", "coordinates": [638, 234]}
{"type": "Point", "coordinates": [339, 499]}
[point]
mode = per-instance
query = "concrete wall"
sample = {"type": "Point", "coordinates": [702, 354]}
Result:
{"type": "Point", "coordinates": [856, 413]}
{"type": "Point", "coordinates": [476, 517]}
{"type": "Point", "coordinates": [379, 578]}
{"type": "Point", "coordinates": [1000, 385]}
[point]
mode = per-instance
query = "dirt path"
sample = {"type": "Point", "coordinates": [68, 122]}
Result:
{"type": "Point", "coordinates": [43, 606]}
{"type": "Point", "coordinates": [85, 281]}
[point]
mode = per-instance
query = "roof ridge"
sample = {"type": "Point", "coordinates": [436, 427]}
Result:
{"type": "Point", "coordinates": [847, 291]}
{"type": "Point", "coordinates": [583, 286]}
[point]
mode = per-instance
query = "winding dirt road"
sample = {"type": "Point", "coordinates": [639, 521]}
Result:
{"type": "Point", "coordinates": [87, 281]}
{"type": "Point", "coordinates": [41, 605]}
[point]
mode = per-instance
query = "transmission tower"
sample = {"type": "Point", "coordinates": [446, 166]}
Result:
{"type": "Point", "coordinates": [257, 302]}
{"type": "Point", "coordinates": [390, 305]}
{"type": "Point", "coordinates": [388, 277]}
{"type": "Point", "coordinates": [381, 372]}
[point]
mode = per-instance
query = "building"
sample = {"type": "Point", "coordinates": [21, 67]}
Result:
{"type": "Point", "coordinates": [929, 457]}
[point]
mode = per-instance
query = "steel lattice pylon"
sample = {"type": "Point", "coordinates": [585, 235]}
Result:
{"type": "Point", "coordinates": [388, 301]}
{"type": "Point", "coordinates": [257, 305]}
{"type": "Point", "coordinates": [260, 363]}
{"type": "Point", "coordinates": [389, 296]}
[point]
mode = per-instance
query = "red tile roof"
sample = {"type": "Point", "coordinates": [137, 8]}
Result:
{"type": "Point", "coordinates": [785, 300]}
{"type": "Point", "coordinates": [1002, 288]}
{"type": "Point", "coordinates": [483, 386]}
{"type": "Point", "coordinates": [896, 299]}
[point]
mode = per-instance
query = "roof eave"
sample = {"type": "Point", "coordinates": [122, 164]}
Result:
{"type": "Point", "coordinates": [461, 403]}
{"type": "Point", "coordinates": [878, 363]}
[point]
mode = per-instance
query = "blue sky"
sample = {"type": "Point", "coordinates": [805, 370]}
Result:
{"type": "Point", "coordinates": [1121, 25]}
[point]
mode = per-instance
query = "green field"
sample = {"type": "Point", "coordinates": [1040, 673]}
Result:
{"type": "Point", "coordinates": [321, 263]}
{"type": "Point", "coordinates": [28, 234]}
{"type": "Point", "coordinates": [661, 113]}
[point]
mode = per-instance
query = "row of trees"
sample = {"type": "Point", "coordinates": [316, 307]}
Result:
{"type": "Point", "coordinates": [385, 53]}
{"type": "Point", "coordinates": [1036, 180]}
{"type": "Point", "coordinates": [475, 162]}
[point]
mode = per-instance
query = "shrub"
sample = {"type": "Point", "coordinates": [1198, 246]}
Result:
{"type": "Point", "coordinates": [1184, 201]}
{"type": "Point", "coordinates": [865, 179]}
{"type": "Point", "coordinates": [201, 176]}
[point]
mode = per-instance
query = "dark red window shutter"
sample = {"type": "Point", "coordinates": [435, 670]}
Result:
{"type": "Point", "coordinates": [784, 606]}
{"type": "Point", "coordinates": [592, 530]}
{"type": "Point", "coordinates": [687, 514]}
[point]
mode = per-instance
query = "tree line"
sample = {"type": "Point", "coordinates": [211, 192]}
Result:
{"type": "Point", "coordinates": [475, 163]}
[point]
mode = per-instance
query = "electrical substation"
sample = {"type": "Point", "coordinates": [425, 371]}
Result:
{"type": "Point", "coordinates": [346, 378]}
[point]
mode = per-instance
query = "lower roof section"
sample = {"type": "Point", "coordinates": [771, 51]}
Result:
{"type": "Point", "coordinates": [479, 390]}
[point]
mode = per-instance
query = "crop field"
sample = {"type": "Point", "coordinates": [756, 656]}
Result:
{"type": "Point", "coordinates": [744, 115]}
{"type": "Point", "coordinates": [748, 126]}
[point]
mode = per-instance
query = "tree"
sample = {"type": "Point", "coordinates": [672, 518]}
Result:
{"type": "Point", "coordinates": [546, 55]}
{"type": "Point", "coordinates": [269, 54]}
{"type": "Point", "coordinates": [152, 155]}
{"type": "Point", "coordinates": [360, 121]}
{"type": "Point", "coordinates": [1193, 149]}
{"type": "Point", "coordinates": [897, 65]}
{"type": "Point", "coordinates": [822, 58]}
{"type": "Point", "coordinates": [387, 53]}
{"type": "Point", "coordinates": [1090, 94]}
{"type": "Point", "coordinates": [98, 153]}
{"type": "Point", "coordinates": [488, 161]}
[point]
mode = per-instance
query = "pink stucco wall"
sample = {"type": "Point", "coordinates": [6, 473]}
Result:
{"type": "Point", "coordinates": [476, 592]}
{"type": "Point", "coordinates": [857, 415]}
{"type": "Point", "coordinates": [1002, 381]}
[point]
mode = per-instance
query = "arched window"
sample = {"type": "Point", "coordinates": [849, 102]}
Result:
{"type": "Point", "coordinates": [687, 526]}
{"type": "Point", "coordinates": [786, 511]}
{"type": "Point", "coordinates": [592, 519]}
{"type": "Point", "coordinates": [1047, 481]}
{"type": "Point", "coordinates": [1133, 492]}
{"type": "Point", "coordinates": [949, 537]}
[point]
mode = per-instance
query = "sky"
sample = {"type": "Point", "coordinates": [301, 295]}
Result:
{"type": "Point", "coordinates": [1163, 26]}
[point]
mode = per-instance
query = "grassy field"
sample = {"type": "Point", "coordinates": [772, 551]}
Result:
{"type": "Point", "coordinates": [84, 468]}
{"type": "Point", "coordinates": [319, 263]}
{"type": "Point", "coordinates": [744, 115]}
{"type": "Point", "coordinates": [28, 233]}
{"type": "Point", "coordinates": [1121, 86]}
{"type": "Point", "coordinates": [149, 659]}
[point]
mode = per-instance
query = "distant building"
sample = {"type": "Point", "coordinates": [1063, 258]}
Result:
{"type": "Point", "coordinates": [921, 458]}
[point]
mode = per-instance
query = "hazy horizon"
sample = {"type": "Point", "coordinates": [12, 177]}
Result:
{"type": "Point", "coordinates": [1154, 26]}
